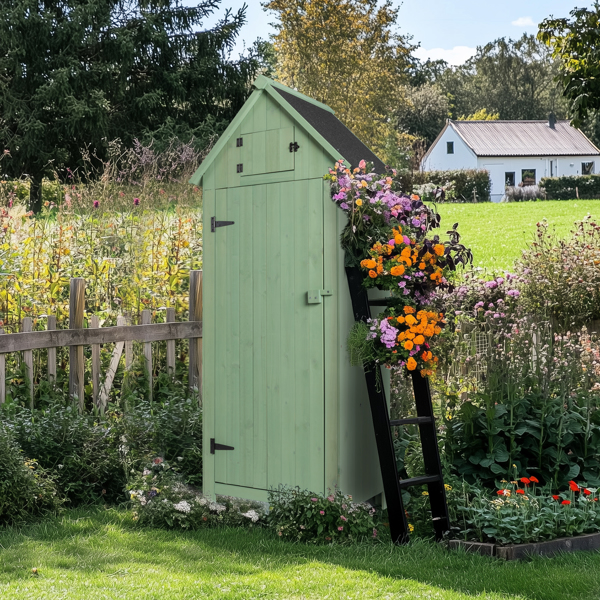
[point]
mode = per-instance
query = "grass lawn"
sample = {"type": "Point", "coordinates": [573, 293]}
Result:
{"type": "Point", "coordinates": [498, 232]}
{"type": "Point", "coordinates": [99, 554]}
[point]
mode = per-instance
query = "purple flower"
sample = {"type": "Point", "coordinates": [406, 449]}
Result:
{"type": "Point", "coordinates": [402, 284]}
{"type": "Point", "coordinates": [405, 240]}
{"type": "Point", "coordinates": [513, 293]}
{"type": "Point", "coordinates": [136, 201]}
{"type": "Point", "coordinates": [392, 243]}
{"type": "Point", "coordinates": [96, 203]}
{"type": "Point", "coordinates": [491, 285]}
{"type": "Point", "coordinates": [500, 280]}
{"type": "Point", "coordinates": [340, 196]}
{"type": "Point", "coordinates": [366, 218]}
{"type": "Point", "coordinates": [416, 222]}
{"type": "Point", "coordinates": [496, 316]}
{"type": "Point", "coordinates": [479, 305]}
{"type": "Point", "coordinates": [344, 206]}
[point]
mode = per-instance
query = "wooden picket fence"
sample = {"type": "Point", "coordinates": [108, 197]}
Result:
{"type": "Point", "coordinates": [123, 336]}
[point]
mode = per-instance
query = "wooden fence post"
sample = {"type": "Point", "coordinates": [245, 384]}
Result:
{"type": "Point", "coordinates": [171, 344]}
{"type": "Point", "coordinates": [2, 375]}
{"type": "Point", "coordinates": [76, 365]}
{"type": "Point", "coordinates": [146, 320]}
{"type": "Point", "coordinates": [51, 326]}
{"type": "Point", "coordinates": [94, 324]}
{"type": "Point", "coordinates": [28, 360]}
{"type": "Point", "coordinates": [195, 367]}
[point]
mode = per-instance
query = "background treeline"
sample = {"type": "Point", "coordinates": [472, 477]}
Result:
{"type": "Point", "coordinates": [75, 76]}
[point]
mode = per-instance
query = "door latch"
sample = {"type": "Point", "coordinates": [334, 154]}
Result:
{"type": "Point", "coordinates": [214, 223]}
{"type": "Point", "coordinates": [316, 296]}
{"type": "Point", "coordinates": [214, 446]}
{"type": "Point", "coordinates": [294, 146]}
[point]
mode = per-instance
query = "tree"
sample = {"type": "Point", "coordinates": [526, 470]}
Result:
{"type": "Point", "coordinates": [514, 78]}
{"type": "Point", "coordinates": [77, 73]}
{"type": "Point", "coordinates": [424, 113]}
{"type": "Point", "coordinates": [480, 115]}
{"type": "Point", "coordinates": [346, 55]}
{"type": "Point", "coordinates": [575, 45]}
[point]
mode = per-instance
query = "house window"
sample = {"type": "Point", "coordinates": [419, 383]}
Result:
{"type": "Point", "coordinates": [587, 168]}
{"type": "Point", "coordinates": [528, 176]}
{"type": "Point", "coordinates": [449, 147]}
{"type": "Point", "coordinates": [509, 178]}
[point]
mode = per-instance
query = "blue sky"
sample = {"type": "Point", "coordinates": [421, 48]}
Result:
{"type": "Point", "coordinates": [448, 29]}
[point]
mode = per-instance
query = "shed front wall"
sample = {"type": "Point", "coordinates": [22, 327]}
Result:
{"type": "Point", "coordinates": [299, 414]}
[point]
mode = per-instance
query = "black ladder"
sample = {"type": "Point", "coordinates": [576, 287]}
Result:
{"type": "Point", "coordinates": [392, 484]}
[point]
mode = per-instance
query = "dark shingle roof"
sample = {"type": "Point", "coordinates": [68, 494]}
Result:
{"type": "Point", "coordinates": [334, 131]}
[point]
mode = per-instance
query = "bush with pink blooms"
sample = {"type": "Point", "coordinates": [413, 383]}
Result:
{"type": "Point", "coordinates": [301, 515]}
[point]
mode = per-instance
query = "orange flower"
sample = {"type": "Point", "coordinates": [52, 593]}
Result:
{"type": "Point", "coordinates": [372, 274]}
{"type": "Point", "coordinates": [400, 319]}
{"type": "Point", "coordinates": [534, 479]}
{"type": "Point", "coordinates": [439, 249]}
{"type": "Point", "coordinates": [411, 364]}
{"type": "Point", "coordinates": [566, 502]}
{"type": "Point", "coordinates": [573, 486]}
{"type": "Point", "coordinates": [414, 197]}
{"type": "Point", "coordinates": [426, 356]}
{"type": "Point", "coordinates": [556, 497]}
{"type": "Point", "coordinates": [408, 345]}
{"type": "Point", "coordinates": [586, 492]}
{"type": "Point", "coordinates": [409, 310]}
{"type": "Point", "coordinates": [422, 265]}
{"type": "Point", "coordinates": [525, 481]}
{"type": "Point", "coordinates": [368, 263]}
{"type": "Point", "coordinates": [419, 340]}
{"type": "Point", "coordinates": [519, 491]}
{"type": "Point", "coordinates": [380, 269]}
{"type": "Point", "coordinates": [410, 320]}
{"type": "Point", "coordinates": [397, 270]}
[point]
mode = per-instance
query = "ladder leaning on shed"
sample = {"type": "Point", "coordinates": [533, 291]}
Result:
{"type": "Point", "coordinates": [392, 484]}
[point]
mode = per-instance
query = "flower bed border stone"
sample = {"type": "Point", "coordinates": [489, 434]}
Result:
{"type": "Point", "coordinates": [590, 541]}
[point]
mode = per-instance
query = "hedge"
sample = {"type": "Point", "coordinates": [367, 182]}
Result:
{"type": "Point", "coordinates": [465, 181]}
{"type": "Point", "coordinates": [569, 187]}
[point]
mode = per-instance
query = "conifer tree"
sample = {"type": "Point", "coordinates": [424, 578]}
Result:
{"type": "Point", "coordinates": [80, 73]}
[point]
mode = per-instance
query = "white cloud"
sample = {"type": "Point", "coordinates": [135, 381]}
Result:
{"type": "Point", "coordinates": [524, 22]}
{"type": "Point", "coordinates": [454, 56]}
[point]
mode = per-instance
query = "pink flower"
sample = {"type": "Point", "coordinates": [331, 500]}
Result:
{"type": "Point", "coordinates": [136, 201]}
{"type": "Point", "coordinates": [330, 498]}
{"type": "Point", "coordinates": [322, 512]}
{"type": "Point", "coordinates": [314, 499]}
{"type": "Point", "coordinates": [341, 528]}
{"type": "Point", "coordinates": [406, 240]}
{"type": "Point", "coordinates": [374, 532]}
{"type": "Point", "coordinates": [157, 460]}
{"type": "Point", "coordinates": [392, 243]}
{"type": "Point", "coordinates": [96, 203]}
{"type": "Point", "coordinates": [343, 518]}
{"type": "Point", "coordinates": [362, 164]}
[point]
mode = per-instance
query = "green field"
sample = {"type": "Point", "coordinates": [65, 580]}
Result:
{"type": "Point", "coordinates": [498, 232]}
{"type": "Point", "coordinates": [100, 554]}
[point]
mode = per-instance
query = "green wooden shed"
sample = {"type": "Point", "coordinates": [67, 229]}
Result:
{"type": "Point", "coordinates": [282, 405]}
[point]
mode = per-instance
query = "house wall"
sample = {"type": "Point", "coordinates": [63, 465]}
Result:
{"type": "Point", "coordinates": [500, 165]}
{"type": "Point", "coordinates": [440, 160]}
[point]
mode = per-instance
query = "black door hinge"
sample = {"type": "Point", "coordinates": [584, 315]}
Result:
{"type": "Point", "coordinates": [214, 223]}
{"type": "Point", "coordinates": [294, 146]}
{"type": "Point", "coordinates": [214, 446]}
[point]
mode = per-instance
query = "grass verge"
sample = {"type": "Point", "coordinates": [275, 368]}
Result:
{"type": "Point", "coordinates": [497, 233]}
{"type": "Point", "coordinates": [99, 554]}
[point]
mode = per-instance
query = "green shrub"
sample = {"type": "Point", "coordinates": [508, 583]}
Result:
{"type": "Point", "coordinates": [561, 279]}
{"type": "Point", "coordinates": [305, 516]}
{"type": "Point", "coordinates": [570, 187]}
{"type": "Point", "coordinates": [92, 457]}
{"type": "Point", "coordinates": [162, 499]}
{"type": "Point", "coordinates": [464, 183]}
{"type": "Point", "coordinates": [26, 489]}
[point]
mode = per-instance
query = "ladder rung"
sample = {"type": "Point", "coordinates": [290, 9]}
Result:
{"type": "Point", "coordinates": [405, 483]}
{"type": "Point", "coordinates": [412, 421]}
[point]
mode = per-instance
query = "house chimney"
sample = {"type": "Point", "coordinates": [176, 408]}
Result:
{"type": "Point", "coordinates": [551, 120]}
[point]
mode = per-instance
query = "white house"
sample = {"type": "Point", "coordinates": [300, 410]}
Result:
{"type": "Point", "coordinates": [513, 151]}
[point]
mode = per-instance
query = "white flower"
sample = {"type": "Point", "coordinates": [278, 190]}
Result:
{"type": "Point", "coordinates": [252, 515]}
{"type": "Point", "coordinates": [146, 472]}
{"type": "Point", "coordinates": [201, 501]}
{"type": "Point", "coordinates": [218, 508]}
{"type": "Point", "coordinates": [182, 506]}
{"type": "Point", "coordinates": [180, 458]}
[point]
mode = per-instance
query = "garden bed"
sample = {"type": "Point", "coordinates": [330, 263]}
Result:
{"type": "Point", "coordinates": [588, 542]}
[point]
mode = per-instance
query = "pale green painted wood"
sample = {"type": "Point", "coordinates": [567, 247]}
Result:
{"type": "Point", "coordinates": [267, 152]}
{"type": "Point", "coordinates": [294, 409]}
{"type": "Point", "coordinates": [260, 321]}
{"type": "Point", "coordinates": [209, 340]}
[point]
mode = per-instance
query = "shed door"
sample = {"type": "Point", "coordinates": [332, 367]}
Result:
{"type": "Point", "coordinates": [269, 380]}
{"type": "Point", "coordinates": [268, 151]}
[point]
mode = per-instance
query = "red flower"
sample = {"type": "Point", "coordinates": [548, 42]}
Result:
{"type": "Point", "coordinates": [525, 481]}
{"type": "Point", "coordinates": [573, 486]}
{"type": "Point", "coordinates": [566, 502]}
{"type": "Point", "coordinates": [534, 480]}
{"type": "Point", "coordinates": [556, 497]}
{"type": "Point", "coordinates": [586, 492]}
{"type": "Point", "coordinates": [520, 491]}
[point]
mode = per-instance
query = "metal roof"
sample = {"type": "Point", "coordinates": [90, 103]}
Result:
{"type": "Point", "coordinates": [523, 138]}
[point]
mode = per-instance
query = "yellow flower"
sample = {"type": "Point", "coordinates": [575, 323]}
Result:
{"type": "Point", "coordinates": [411, 528]}
{"type": "Point", "coordinates": [359, 202]}
{"type": "Point", "coordinates": [425, 494]}
{"type": "Point", "coordinates": [448, 487]}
